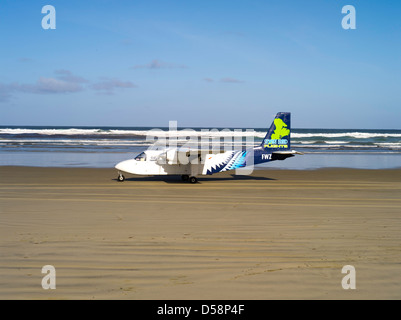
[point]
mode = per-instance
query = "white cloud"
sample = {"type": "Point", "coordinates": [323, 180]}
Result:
{"type": "Point", "coordinates": [107, 86]}
{"type": "Point", "coordinates": [67, 75]}
{"type": "Point", "coordinates": [50, 85]}
{"type": "Point", "coordinates": [158, 64]}
{"type": "Point", "coordinates": [63, 83]}
{"type": "Point", "coordinates": [231, 80]}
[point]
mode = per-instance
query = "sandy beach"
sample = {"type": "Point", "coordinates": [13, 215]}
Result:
{"type": "Point", "coordinates": [277, 234]}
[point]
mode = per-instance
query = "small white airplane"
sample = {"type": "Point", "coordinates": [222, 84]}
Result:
{"type": "Point", "coordinates": [189, 163]}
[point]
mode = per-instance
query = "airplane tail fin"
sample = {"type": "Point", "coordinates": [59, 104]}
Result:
{"type": "Point", "coordinates": [278, 136]}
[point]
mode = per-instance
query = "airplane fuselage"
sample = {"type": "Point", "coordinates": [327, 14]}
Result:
{"type": "Point", "coordinates": [190, 163]}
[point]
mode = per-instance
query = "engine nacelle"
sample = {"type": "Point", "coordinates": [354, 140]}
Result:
{"type": "Point", "coordinates": [168, 157]}
{"type": "Point", "coordinates": [172, 156]}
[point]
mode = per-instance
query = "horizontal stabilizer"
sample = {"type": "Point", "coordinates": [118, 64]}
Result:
{"type": "Point", "coordinates": [282, 155]}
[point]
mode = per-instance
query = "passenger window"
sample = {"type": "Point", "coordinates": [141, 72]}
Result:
{"type": "Point", "coordinates": [141, 157]}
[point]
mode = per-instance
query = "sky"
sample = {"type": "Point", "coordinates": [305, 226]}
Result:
{"type": "Point", "coordinates": [201, 63]}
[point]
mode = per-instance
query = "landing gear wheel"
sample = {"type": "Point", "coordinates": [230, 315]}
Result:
{"type": "Point", "coordinates": [193, 180]}
{"type": "Point", "coordinates": [185, 177]}
{"type": "Point", "coordinates": [121, 178]}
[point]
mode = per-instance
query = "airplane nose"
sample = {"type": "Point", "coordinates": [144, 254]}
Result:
{"type": "Point", "coordinates": [118, 166]}
{"type": "Point", "coordinates": [121, 165]}
{"type": "Point", "coordinates": [125, 166]}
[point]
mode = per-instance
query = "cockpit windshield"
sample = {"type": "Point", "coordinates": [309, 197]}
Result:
{"type": "Point", "coordinates": [141, 157]}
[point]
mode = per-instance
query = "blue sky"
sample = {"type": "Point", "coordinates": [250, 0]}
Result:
{"type": "Point", "coordinates": [202, 63]}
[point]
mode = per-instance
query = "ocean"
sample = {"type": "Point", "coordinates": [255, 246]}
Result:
{"type": "Point", "coordinates": [103, 147]}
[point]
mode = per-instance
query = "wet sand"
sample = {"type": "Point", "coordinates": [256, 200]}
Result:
{"type": "Point", "coordinates": [277, 234]}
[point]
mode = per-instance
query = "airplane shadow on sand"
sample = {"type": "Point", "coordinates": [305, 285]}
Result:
{"type": "Point", "coordinates": [177, 179]}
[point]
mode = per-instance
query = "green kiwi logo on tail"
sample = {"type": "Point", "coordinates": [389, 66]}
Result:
{"type": "Point", "coordinates": [281, 129]}
{"type": "Point", "coordinates": [278, 136]}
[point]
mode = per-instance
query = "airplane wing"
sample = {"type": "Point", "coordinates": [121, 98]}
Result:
{"type": "Point", "coordinates": [184, 155]}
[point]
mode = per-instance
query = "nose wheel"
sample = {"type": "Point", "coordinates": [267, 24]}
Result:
{"type": "Point", "coordinates": [121, 178]}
